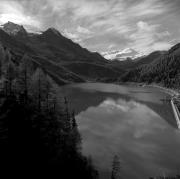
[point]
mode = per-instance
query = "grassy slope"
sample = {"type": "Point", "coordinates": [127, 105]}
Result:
{"type": "Point", "coordinates": [92, 71]}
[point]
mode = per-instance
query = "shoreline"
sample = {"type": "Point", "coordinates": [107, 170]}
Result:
{"type": "Point", "coordinates": [174, 93]}
{"type": "Point", "coordinates": [173, 99]}
{"type": "Point", "coordinates": [170, 91]}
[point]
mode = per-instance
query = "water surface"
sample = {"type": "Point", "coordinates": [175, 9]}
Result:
{"type": "Point", "coordinates": [135, 123]}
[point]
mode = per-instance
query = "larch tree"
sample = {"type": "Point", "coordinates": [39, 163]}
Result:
{"type": "Point", "coordinates": [42, 90]}
{"type": "Point", "coordinates": [24, 77]}
{"type": "Point", "coordinates": [116, 168]}
{"type": "Point", "coordinates": [2, 56]}
{"type": "Point", "coordinates": [9, 72]}
{"type": "Point", "coordinates": [37, 86]}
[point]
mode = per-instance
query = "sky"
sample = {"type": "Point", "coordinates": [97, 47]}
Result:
{"type": "Point", "coordinates": [126, 27]}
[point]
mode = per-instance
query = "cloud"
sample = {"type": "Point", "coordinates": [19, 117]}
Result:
{"type": "Point", "coordinates": [147, 38]}
{"type": "Point", "coordinates": [13, 11]}
{"type": "Point", "coordinates": [97, 24]}
{"type": "Point", "coordinates": [147, 8]}
{"type": "Point", "coordinates": [110, 46]}
{"type": "Point", "coordinates": [83, 30]}
{"type": "Point", "coordinates": [90, 8]}
{"type": "Point", "coordinates": [161, 46]}
{"type": "Point", "coordinates": [72, 36]}
{"type": "Point", "coordinates": [121, 105]}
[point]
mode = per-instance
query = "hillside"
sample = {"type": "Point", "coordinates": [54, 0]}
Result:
{"type": "Point", "coordinates": [90, 71]}
{"type": "Point", "coordinates": [57, 72]}
{"type": "Point", "coordinates": [134, 63]}
{"type": "Point", "coordinates": [51, 50]}
{"type": "Point", "coordinates": [67, 62]}
{"type": "Point", "coordinates": [164, 70]}
{"type": "Point", "coordinates": [38, 132]}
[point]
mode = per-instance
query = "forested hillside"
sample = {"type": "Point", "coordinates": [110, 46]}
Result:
{"type": "Point", "coordinates": [137, 62]}
{"type": "Point", "coordinates": [38, 133]}
{"type": "Point", "coordinates": [56, 53]}
{"type": "Point", "coordinates": [67, 62]}
{"type": "Point", "coordinates": [165, 70]}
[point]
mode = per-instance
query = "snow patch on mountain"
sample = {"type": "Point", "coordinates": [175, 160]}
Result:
{"type": "Point", "coordinates": [121, 54]}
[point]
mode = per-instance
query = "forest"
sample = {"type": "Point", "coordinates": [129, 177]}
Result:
{"type": "Point", "coordinates": [164, 71]}
{"type": "Point", "coordinates": [42, 131]}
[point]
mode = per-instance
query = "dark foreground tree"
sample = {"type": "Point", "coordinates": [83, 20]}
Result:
{"type": "Point", "coordinates": [116, 168]}
{"type": "Point", "coordinates": [43, 136]}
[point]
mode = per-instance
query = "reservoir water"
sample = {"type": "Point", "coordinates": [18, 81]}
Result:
{"type": "Point", "coordinates": [134, 123]}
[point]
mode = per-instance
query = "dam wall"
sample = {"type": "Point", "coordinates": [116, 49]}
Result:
{"type": "Point", "coordinates": [176, 113]}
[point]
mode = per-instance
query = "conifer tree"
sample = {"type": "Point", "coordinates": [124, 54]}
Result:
{"type": "Point", "coordinates": [9, 73]}
{"type": "Point", "coordinates": [116, 168]}
{"type": "Point", "coordinates": [37, 87]}
{"type": "Point", "coordinates": [2, 56]}
{"type": "Point", "coordinates": [24, 77]}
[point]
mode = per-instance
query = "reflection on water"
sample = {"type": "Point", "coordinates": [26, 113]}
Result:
{"type": "Point", "coordinates": [132, 123]}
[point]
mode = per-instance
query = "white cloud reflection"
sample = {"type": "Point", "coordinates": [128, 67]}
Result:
{"type": "Point", "coordinates": [131, 130]}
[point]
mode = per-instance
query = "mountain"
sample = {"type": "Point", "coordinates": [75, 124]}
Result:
{"type": "Point", "coordinates": [94, 71]}
{"type": "Point", "coordinates": [148, 59]}
{"type": "Point", "coordinates": [14, 29]}
{"type": "Point", "coordinates": [61, 56]}
{"type": "Point", "coordinates": [137, 62]}
{"type": "Point", "coordinates": [164, 70]}
{"type": "Point", "coordinates": [11, 42]}
{"type": "Point", "coordinates": [65, 48]}
{"type": "Point", "coordinates": [175, 49]}
{"type": "Point", "coordinates": [68, 62]}
{"type": "Point", "coordinates": [58, 73]}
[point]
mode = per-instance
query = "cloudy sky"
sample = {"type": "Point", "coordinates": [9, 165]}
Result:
{"type": "Point", "coordinates": [129, 26]}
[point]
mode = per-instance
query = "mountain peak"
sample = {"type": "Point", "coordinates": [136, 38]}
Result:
{"type": "Point", "coordinates": [13, 29]}
{"type": "Point", "coordinates": [175, 48]}
{"type": "Point", "coordinates": [53, 30]}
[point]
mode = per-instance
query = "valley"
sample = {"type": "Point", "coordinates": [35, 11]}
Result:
{"type": "Point", "coordinates": [80, 108]}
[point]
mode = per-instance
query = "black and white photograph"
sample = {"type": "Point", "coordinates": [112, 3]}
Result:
{"type": "Point", "coordinates": [90, 89]}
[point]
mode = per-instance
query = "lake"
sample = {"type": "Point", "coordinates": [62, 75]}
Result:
{"type": "Point", "coordinates": [134, 123]}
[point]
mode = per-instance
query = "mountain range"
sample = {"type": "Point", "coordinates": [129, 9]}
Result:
{"type": "Point", "coordinates": [58, 54]}
{"type": "Point", "coordinates": [68, 62]}
{"type": "Point", "coordinates": [163, 69]}
{"type": "Point", "coordinates": [121, 55]}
